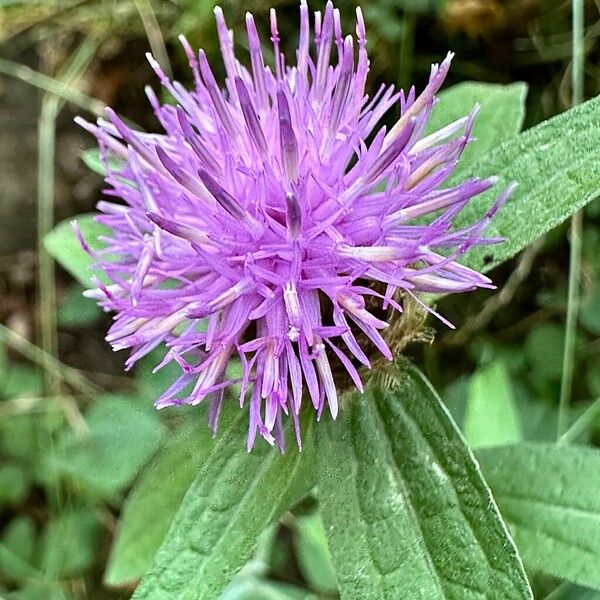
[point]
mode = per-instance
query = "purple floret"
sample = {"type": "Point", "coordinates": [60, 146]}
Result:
{"type": "Point", "coordinates": [258, 225]}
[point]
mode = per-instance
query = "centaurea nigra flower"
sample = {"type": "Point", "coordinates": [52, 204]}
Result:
{"type": "Point", "coordinates": [268, 213]}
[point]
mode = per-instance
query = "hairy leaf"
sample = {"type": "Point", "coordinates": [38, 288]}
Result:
{"type": "Point", "coordinates": [406, 510]}
{"type": "Point", "coordinates": [151, 505]}
{"type": "Point", "coordinates": [557, 170]}
{"type": "Point", "coordinates": [234, 497]}
{"type": "Point", "coordinates": [556, 527]}
{"type": "Point", "coordinates": [500, 116]}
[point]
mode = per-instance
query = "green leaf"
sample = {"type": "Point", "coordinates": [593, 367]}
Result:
{"type": "Point", "coordinates": [313, 554]}
{"type": "Point", "coordinates": [491, 415]}
{"type": "Point", "coordinates": [550, 497]}
{"type": "Point", "coordinates": [20, 434]}
{"type": "Point", "coordinates": [76, 310]}
{"type": "Point", "coordinates": [94, 162]}
{"type": "Point", "coordinates": [151, 384]}
{"type": "Point", "coordinates": [69, 542]}
{"type": "Point", "coordinates": [18, 541]}
{"type": "Point", "coordinates": [569, 591]}
{"type": "Point", "coordinates": [406, 510]}
{"type": "Point", "coordinates": [21, 379]}
{"type": "Point", "coordinates": [250, 588]}
{"type": "Point", "coordinates": [153, 502]}
{"type": "Point", "coordinates": [556, 166]}
{"type": "Point", "coordinates": [544, 349]}
{"type": "Point", "coordinates": [501, 114]}
{"type": "Point", "coordinates": [121, 440]}
{"type": "Point", "coordinates": [63, 245]}
{"type": "Point", "coordinates": [235, 496]}
{"type": "Point", "coordinates": [40, 590]}
{"type": "Point", "coordinates": [14, 484]}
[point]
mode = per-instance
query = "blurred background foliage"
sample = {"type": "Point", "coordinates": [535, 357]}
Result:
{"type": "Point", "coordinates": [76, 433]}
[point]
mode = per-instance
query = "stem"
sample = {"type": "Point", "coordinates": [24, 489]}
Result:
{"type": "Point", "coordinates": [154, 34]}
{"type": "Point", "coordinates": [582, 423]}
{"type": "Point", "coordinates": [52, 86]}
{"type": "Point", "coordinates": [45, 222]}
{"type": "Point", "coordinates": [577, 72]}
{"type": "Point", "coordinates": [36, 355]}
{"type": "Point", "coordinates": [578, 52]}
{"type": "Point", "coordinates": [51, 107]}
{"type": "Point", "coordinates": [407, 48]}
{"type": "Point", "coordinates": [573, 300]}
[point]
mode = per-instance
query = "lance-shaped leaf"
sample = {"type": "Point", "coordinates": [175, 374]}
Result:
{"type": "Point", "coordinates": [96, 163]}
{"type": "Point", "coordinates": [63, 245]}
{"type": "Point", "coordinates": [153, 502]}
{"type": "Point", "coordinates": [557, 169]}
{"type": "Point", "coordinates": [550, 496]}
{"type": "Point", "coordinates": [406, 510]}
{"type": "Point", "coordinates": [234, 498]}
{"type": "Point", "coordinates": [500, 116]}
{"type": "Point", "coordinates": [491, 416]}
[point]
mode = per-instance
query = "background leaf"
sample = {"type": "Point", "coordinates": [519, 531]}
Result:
{"type": "Point", "coordinates": [556, 527]}
{"type": "Point", "coordinates": [153, 502]}
{"type": "Point", "coordinates": [92, 160]}
{"type": "Point", "coordinates": [557, 168]}
{"type": "Point", "coordinates": [18, 543]}
{"type": "Point", "coordinates": [313, 554]}
{"type": "Point", "coordinates": [491, 415]}
{"type": "Point", "coordinates": [569, 591]}
{"type": "Point", "coordinates": [233, 499]}
{"type": "Point", "coordinates": [501, 114]}
{"type": "Point", "coordinates": [40, 590]}
{"type": "Point", "coordinates": [63, 245]}
{"type": "Point", "coordinates": [69, 542]}
{"type": "Point", "coordinates": [122, 438]}
{"type": "Point", "coordinates": [76, 310]}
{"type": "Point", "coordinates": [14, 483]}
{"type": "Point", "coordinates": [250, 588]}
{"type": "Point", "coordinates": [405, 508]}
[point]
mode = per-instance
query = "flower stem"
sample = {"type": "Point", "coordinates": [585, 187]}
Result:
{"type": "Point", "coordinates": [52, 86]}
{"type": "Point", "coordinates": [50, 108]}
{"type": "Point", "coordinates": [154, 34]}
{"type": "Point", "coordinates": [407, 49]}
{"type": "Point", "coordinates": [580, 425]}
{"type": "Point", "coordinates": [577, 72]}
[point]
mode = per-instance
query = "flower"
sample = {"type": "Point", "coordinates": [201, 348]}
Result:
{"type": "Point", "coordinates": [263, 219]}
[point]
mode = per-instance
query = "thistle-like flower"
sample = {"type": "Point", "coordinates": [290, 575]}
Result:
{"type": "Point", "coordinates": [267, 213]}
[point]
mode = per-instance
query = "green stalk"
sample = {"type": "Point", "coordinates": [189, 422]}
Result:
{"type": "Point", "coordinates": [45, 222]}
{"type": "Point", "coordinates": [582, 423]}
{"type": "Point", "coordinates": [52, 86]}
{"type": "Point", "coordinates": [407, 50]}
{"type": "Point", "coordinates": [577, 72]}
{"type": "Point", "coordinates": [51, 106]}
{"type": "Point", "coordinates": [154, 34]}
{"type": "Point", "coordinates": [52, 103]}
{"type": "Point", "coordinates": [36, 355]}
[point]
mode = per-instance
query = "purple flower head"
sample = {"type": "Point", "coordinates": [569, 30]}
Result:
{"type": "Point", "coordinates": [265, 216]}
